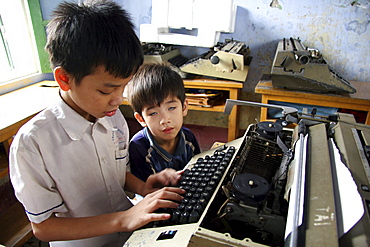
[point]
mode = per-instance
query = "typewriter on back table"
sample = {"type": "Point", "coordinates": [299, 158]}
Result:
{"type": "Point", "coordinates": [301, 68]}
{"type": "Point", "coordinates": [276, 186]}
{"type": "Point", "coordinates": [229, 60]}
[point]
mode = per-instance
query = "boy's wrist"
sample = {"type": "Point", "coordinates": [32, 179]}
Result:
{"type": "Point", "coordinates": [144, 189]}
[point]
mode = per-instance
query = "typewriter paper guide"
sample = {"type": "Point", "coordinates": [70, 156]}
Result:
{"type": "Point", "coordinates": [350, 199]}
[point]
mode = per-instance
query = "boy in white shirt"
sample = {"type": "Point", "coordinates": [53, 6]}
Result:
{"type": "Point", "coordinates": [68, 165]}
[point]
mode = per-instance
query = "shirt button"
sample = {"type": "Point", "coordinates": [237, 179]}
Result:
{"type": "Point", "coordinates": [102, 159]}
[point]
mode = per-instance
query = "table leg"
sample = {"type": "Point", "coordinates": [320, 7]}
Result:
{"type": "Point", "coordinates": [233, 124]}
{"type": "Point", "coordinates": [263, 115]}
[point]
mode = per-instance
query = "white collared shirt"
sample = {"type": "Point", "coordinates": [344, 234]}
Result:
{"type": "Point", "coordinates": [62, 164]}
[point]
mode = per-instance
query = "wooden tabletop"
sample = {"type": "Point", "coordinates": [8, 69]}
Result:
{"type": "Point", "coordinates": [23, 103]}
{"type": "Point", "coordinates": [362, 96]}
{"type": "Point", "coordinates": [359, 101]}
{"type": "Point", "coordinates": [205, 82]}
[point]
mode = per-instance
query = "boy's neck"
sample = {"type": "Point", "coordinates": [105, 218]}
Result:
{"type": "Point", "coordinates": [169, 145]}
{"type": "Point", "coordinates": [65, 97]}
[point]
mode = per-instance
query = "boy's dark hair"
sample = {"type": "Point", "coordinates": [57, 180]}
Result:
{"type": "Point", "coordinates": [83, 36]}
{"type": "Point", "coordinates": [152, 84]}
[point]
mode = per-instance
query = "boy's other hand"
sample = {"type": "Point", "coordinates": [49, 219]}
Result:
{"type": "Point", "coordinates": [143, 212]}
{"type": "Point", "coordinates": [167, 177]}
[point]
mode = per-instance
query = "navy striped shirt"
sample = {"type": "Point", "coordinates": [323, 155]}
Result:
{"type": "Point", "coordinates": [147, 157]}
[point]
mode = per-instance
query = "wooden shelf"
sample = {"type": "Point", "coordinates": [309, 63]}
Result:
{"type": "Point", "coordinates": [232, 88]}
{"type": "Point", "coordinates": [216, 108]}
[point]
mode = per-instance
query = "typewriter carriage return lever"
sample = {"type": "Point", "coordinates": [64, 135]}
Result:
{"type": "Point", "coordinates": [289, 114]}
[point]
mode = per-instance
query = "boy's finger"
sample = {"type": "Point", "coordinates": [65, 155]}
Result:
{"type": "Point", "coordinates": [167, 193]}
{"type": "Point", "coordinates": [180, 172]}
{"type": "Point", "coordinates": [158, 217]}
{"type": "Point", "coordinates": [174, 178]}
{"type": "Point", "coordinates": [169, 177]}
{"type": "Point", "coordinates": [170, 193]}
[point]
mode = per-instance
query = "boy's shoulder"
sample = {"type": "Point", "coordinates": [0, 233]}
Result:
{"type": "Point", "coordinates": [185, 129]}
{"type": "Point", "coordinates": [36, 129]}
{"type": "Point", "coordinates": [190, 137]}
{"type": "Point", "coordinates": [187, 132]}
{"type": "Point", "coordinates": [139, 144]}
{"type": "Point", "coordinates": [40, 120]}
{"type": "Point", "coordinates": [140, 137]}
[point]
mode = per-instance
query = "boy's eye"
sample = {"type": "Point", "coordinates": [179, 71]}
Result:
{"type": "Point", "coordinates": [105, 93]}
{"type": "Point", "coordinates": [152, 113]}
{"type": "Point", "coordinates": [171, 108]}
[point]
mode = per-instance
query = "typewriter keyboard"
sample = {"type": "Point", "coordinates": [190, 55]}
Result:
{"type": "Point", "coordinates": [199, 182]}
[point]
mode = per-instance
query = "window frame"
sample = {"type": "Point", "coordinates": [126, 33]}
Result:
{"type": "Point", "coordinates": [38, 24]}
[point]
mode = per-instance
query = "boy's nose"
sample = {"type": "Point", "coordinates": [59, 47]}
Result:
{"type": "Point", "coordinates": [165, 119]}
{"type": "Point", "coordinates": [117, 99]}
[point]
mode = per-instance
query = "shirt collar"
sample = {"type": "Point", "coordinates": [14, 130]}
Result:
{"type": "Point", "coordinates": [180, 148]}
{"type": "Point", "coordinates": [72, 122]}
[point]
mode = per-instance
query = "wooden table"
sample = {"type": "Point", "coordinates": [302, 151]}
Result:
{"type": "Point", "coordinates": [19, 106]}
{"type": "Point", "coordinates": [232, 87]}
{"type": "Point", "coordinates": [359, 101]}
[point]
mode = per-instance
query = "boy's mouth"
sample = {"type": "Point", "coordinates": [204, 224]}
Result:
{"type": "Point", "coordinates": [167, 130]}
{"type": "Point", "coordinates": [110, 113]}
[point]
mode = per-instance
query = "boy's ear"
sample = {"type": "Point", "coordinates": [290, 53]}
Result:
{"type": "Point", "coordinates": [185, 108]}
{"type": "Point", "coordinates": [62, 77]}
{"type": "Point", "coordinates": [140, 119]}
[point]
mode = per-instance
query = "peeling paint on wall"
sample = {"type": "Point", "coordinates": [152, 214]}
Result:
{"type": "Point", "coordinates": [275, 4]}
{"type": "Point", "coordinates": [361, 4]}
{"type": "Point", "coordinates": [357, 27]}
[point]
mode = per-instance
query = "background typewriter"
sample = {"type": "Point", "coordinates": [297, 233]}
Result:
{"type": "Point", "coordinates": [275, 186]}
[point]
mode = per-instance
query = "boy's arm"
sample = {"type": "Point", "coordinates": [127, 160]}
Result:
{"type": "Point", "coordinates": [134, 184]}
{"type": "Point", "coordinates": [58, 228]}
{"type": "Point", "coordinates": [138, 151]}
